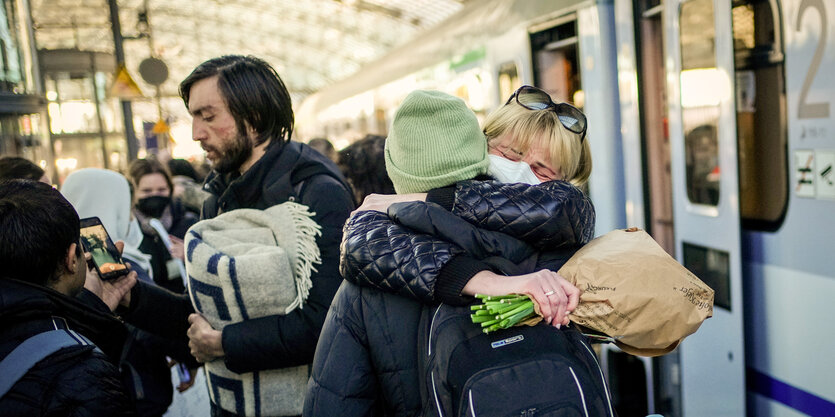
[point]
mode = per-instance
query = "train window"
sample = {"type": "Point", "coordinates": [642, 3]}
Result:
{"type": "Point", "coordinates": [760, 114]}
{"type": "Point", "coordinates": [508, 80]}
{"type": "Point", "coordinates": [712, 266]}
{"type": "Point", "coordinates": [700, 101]}
{"type": "Point", "coordinates": [556, 64]}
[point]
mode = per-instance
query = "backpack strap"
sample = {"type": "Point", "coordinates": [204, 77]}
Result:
{"type": "Point", "coordinates": [34, 349]}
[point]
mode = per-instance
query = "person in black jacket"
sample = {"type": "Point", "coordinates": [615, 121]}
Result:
{"type": "Point", "coordinates": [243, 119]}
{"type": "Point", "coordinates": [41, 289]}
{"type": "Point", "coordinates": [366, 361]}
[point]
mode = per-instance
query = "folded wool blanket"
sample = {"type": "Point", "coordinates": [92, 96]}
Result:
{"type": "Point", "coordinates": [246, 264]}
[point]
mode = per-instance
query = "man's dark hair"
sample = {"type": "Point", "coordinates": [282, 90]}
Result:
{"type": "Point", "coordinates": [254, 93]}
{"type": "Point", "coordinates": [15, 167]}
{"type": "Point", "coordinates": [38, 225]}
{"type": "Point", "coordinates": [142, 167]}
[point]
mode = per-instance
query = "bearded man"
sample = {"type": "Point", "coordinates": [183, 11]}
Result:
{"type": "Point", "coordinates": [243, 119]}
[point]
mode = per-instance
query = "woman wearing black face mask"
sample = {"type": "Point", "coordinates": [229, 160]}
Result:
{"type": "Point", "coordinates": [153, 201]}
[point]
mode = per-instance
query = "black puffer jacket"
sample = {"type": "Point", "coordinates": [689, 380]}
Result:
{"type": "Point", "coordinates": [75, 381]}
{"type": "Point", "coordinates": [366, 360]}
{"type": "Point", "coordinates": [380, 253]}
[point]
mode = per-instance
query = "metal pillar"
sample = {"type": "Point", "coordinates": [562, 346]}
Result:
{"type": "Point", "coordinates": [127, 112]}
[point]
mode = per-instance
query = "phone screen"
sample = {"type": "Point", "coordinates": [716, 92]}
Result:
{"type": "Point", "coordinates": [106, 257]}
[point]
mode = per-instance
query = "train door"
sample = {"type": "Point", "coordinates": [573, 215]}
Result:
{"type": "Point", "coordinates": [576, 50]}
{"type": "Point", "coordinates": [654, 125]}
{"type": "Point", "coordinates": [702, 126]}
{"type": "Point", "coordinates": [658, 174]}
{"type": "Point", "coordinates": [640, 385]}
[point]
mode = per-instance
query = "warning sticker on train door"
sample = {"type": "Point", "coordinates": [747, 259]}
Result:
{"type": "Point", "coordinates": [804, 162]}
{"type": "Point", "coordinates": [825, 173]}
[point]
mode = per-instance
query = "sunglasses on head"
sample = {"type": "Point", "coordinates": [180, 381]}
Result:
{"type": "Point", "coordinates": [533, 98]}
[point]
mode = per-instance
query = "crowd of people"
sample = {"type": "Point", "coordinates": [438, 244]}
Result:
{"type": "Point", "coordinates": [299, 277]}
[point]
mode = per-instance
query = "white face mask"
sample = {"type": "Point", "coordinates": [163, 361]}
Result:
{"type": "Point", "coordinates": [134, 236]}
{"type": "Point", "coordinates": [508, 171]}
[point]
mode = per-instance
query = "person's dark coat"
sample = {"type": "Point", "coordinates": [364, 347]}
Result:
{"type": "Point", "coordinates": [366, 362]}
{"type": "Point", "coordinates": [292, 172]}
{"type": "Point", "coordinates": [153, 245]}
{"type": "Point", "coordinates": [76, 380]}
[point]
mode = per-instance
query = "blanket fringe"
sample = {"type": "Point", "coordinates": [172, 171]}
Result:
{"type": "Point", "coordinates": [307, 252]}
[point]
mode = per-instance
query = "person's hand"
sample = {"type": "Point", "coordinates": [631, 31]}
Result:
{"type": "Point", "coordinates": [204, 341]}
{"type": "Point", "coordinates": [116, 292]}
{"type": "Point", "coordinates": [556, 297]}
{"type": "Point", "coordinates": [381, 202]}
{"type": "Point", "coordinates": [177, 250]}
{"type": "Point", "coordinates": [185, 385]}
{"type": "Point", "coordinates": [112, 292]}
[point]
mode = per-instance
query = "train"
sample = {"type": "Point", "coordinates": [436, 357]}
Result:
{"type": "Point", "coordinates": [711, 126]}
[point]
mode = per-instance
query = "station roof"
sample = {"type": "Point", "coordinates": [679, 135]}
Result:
{"type": "Point", "coordinates": [311, 43]}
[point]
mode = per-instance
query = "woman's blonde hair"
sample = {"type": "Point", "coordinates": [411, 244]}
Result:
{"type": "Point", "coordinates": [568, 153]}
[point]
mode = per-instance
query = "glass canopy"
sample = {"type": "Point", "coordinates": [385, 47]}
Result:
{"type": "Point", "coordinates": [311, 43]}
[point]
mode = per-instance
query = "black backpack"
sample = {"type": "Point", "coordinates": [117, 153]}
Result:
{"type": "Point", "coordinates": [522, 371]}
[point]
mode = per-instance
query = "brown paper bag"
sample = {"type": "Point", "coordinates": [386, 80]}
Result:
{"type": "Point", "coordinates": [636, 293]}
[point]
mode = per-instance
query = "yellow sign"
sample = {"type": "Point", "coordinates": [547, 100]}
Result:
{"type": "Point", "coordinates": [161, 127]}
{"type": "Point", "coordinates": [124, 86]}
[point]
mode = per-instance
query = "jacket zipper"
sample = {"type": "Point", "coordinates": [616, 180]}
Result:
{"type": "Point", "coordinates": [432, 374]}
{"type": "Point", "coordinates": [602, 378]}
{"type": "Point", "coordinates": [432, 331]}
{"type": "Point", "coordinates": [435, 393]}
{"type": "Point", "coordinates": [580, 390]}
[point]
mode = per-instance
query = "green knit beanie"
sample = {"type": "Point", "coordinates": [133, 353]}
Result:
{"type": "Point", "coordinates": [434, 141]}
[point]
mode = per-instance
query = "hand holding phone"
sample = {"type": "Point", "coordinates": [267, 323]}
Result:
{"type": "Point", "coordinates": [113, 292]}
{"type": "Point", "coordinates": [105, 256]}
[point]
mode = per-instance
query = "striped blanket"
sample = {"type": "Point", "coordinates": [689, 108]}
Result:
{"type": "Point", "coordinates": [246, 264]}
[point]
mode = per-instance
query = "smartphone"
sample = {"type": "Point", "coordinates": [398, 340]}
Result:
{"type": "Point", "coordinates": [106, 258]}
{"type": "Point", "coordinates": [184, 374]}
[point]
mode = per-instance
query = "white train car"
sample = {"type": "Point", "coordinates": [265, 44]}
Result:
{"type": "Point", "coordinates": [711, 126]}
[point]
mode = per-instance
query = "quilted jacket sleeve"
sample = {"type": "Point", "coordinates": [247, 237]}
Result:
{"type": "Point", "coordinates": [377, 252]}
{"type": "Point", "coordinates": [548, 216]}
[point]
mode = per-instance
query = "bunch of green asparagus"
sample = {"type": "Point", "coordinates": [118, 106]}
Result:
{"type": "Point", "coordinates": [502, 311]}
